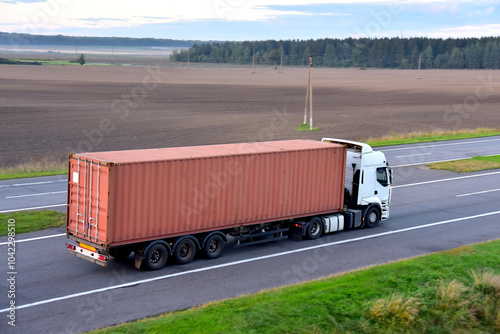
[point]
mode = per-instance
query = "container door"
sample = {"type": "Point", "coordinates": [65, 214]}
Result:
{"type": "Point", "coordinates": [85, 199]}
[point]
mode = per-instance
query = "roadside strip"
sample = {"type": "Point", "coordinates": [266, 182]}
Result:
{"type": "Point", "coordinates": [444, 180]}
{"type": "Point", "coordinates": [34, 208]}
{"type": "Point", "coordinates": [230, 264]}
{"type": "Point", "coordinates": [438, 145]}
{"type": "Point", "coordinates": [36, 238]}
{"type": "Point", "coordinates": [39, 194]}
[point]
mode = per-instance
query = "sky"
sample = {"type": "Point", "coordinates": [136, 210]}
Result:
{"type": "Point", "coordinates": [252, 19]}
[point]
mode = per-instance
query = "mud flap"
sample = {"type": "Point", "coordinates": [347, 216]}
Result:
{"type": "Point", "coordinates": [296, 233]}
{"type": "Point", "coordinates": [138, 259]}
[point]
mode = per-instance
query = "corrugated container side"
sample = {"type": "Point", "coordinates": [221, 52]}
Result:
{"type": "Point", "coordinates": [157, 199]}
{"type": "Point", "coordinates": [87, 216]}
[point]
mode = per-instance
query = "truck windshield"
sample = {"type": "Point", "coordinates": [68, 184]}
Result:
{"type": "Point", "coordinates": [382, 176]}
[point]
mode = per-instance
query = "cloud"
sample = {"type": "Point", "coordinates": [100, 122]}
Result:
{"type": "Point", "coordinates": [467, 31]}
{"type": "Point", "coordinates": [485, 11]}
{"type": "Point", "coordinates": [119, 13]}
{"type": "Point", "coordinates": [48, 16]}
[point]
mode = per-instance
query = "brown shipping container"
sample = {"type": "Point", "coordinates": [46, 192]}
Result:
{"type": "Point", "coordinates": [122, 197]}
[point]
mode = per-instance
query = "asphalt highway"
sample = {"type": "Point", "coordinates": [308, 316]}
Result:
{"type": "Point", "coordinates": [50, 192]}
{"type": "Point", "coordinates": [430, 211]}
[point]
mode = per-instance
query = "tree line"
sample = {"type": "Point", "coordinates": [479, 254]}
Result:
{"type": "Point", "coordinates": [404, 53]}
{"type": "Point", "coordinates": [56, 40]}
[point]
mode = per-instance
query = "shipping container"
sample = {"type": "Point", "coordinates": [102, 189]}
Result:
{"type": "Point", "coordinates": [176, 201]}
{"type": "Point", "coordinates": [122, 197]}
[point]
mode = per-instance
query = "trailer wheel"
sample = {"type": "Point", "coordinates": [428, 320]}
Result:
{"type": "Point", "coordinates": [156, 257]}
{"type": "Point", "coordinates": [314, 228]}
{"type": "Point", "coordinates": [214, 246]}
{"type": "Point", "coordinates": [185, 251]}
{"type": "Point", "coordinates": [372, 217]}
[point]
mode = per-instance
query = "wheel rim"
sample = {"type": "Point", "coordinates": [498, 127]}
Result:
{"type": "Point", "coordinates": [184, 251]}
{"type": "Point", "coordinates": [372, 217]}
{"type": "Point", "coordinates": [155, 257]}
{"type": "Point", "coordinates": [213, 246]}
{"type": "Point", "coordinates": [315, 228]}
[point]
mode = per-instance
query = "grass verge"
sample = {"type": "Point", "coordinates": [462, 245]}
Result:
{"type": "Point", "coordinates": [306, 127]}
{"type": "Point", "coordinates": [475, 164]}
{"type": "Point", "coordinates": [30, 221]}
{"type": "Point", "coordinates": [456, 291]}
{"type": "Point", "coordinates": [44, 167]}
{"type": "Point", "coordinates": [423, 137]}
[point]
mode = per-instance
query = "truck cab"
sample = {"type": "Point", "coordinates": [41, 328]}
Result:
{"type": "Point", "coordinates": [368, 179]}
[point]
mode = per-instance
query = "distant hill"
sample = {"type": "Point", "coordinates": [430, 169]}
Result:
{"type": "Point", "coordinates": [55, 40]}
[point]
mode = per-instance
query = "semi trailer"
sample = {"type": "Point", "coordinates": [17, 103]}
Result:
{"type": "Point", "coordinates": [176, 202]}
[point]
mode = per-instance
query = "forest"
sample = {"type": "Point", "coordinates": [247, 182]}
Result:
{"type": "Point", "coordinates": [56, 40]}
{"type": "Point", "coordinates": [403, 53]}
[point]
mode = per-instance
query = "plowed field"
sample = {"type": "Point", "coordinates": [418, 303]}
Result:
{"type": "Point", "coordinates": [53, 110]}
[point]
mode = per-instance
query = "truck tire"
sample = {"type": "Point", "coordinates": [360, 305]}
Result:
{"type": "Point", "coordinates": [156, 257]}
{"type": "Point", "coordinates": [314, 228]}
{"type": "Point", "coordinates": [214, 246]}
{"type": "Point", "coordinates": [372, 217]}
{"type": "Point", "coordinates": [184, 251]}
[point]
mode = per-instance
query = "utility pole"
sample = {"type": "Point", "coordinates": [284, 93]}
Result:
{"type": "Point", "coordinates": [309, 96]}
{"type": "Point", "coordinates": [281, 63]}
{"type": "Point", "coordinates": [253, 65]}
{"type": "Point", "coordinates": [188, 58]}
{"type": "Point", "coordinates": [310, 93]}
{"type": "Point", "coordinates": [419, 61]}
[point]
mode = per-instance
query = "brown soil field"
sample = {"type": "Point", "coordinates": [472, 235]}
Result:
{"type": "Point", "coordinates": [53, 110]}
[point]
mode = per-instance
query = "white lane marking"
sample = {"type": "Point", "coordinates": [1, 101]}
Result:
{"type": "Point", "coordinates": [41, 194]}
{"type": "Point", "coordinates": [36, 238]}
{"type": "Point", "coordinates": [31, 183]}
{"type": "Point", "coordinates": [444, 180]}
{"type": "Point", "coordinates": [438, 145]}
{"type": "Point", "coordinates": [34, 183]}
{"type": "Point", "coordinates": [478, 192]}
{"type": "Point", "coordinates": [411, 155]}
{"type": "Point", "coordinates": [230, 264]}
{"type": "Point", "coordinates": [33, 208]}
{"type": "Point", "coordinates": [430, 162]}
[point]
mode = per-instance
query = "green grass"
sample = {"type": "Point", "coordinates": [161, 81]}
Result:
{"type": "Point", "coordinates": [456, 291]}
{"type": "Point", "coordinates": [13, 174]}
{"type": "Point", "coordinates": [45, 61]}
{"type": "Point", "coordinates": [423, 137]}
{"type": "Point", "coordinates": [48, 62]}
{"type": "Point", "coordinates": [50, 165]}
{"type": "Point", "coordinates": [306, 127]}
{"type": "Point", "coordinates": [475, 164]}
{"type": "Point", "coordinates": [30, 221]}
